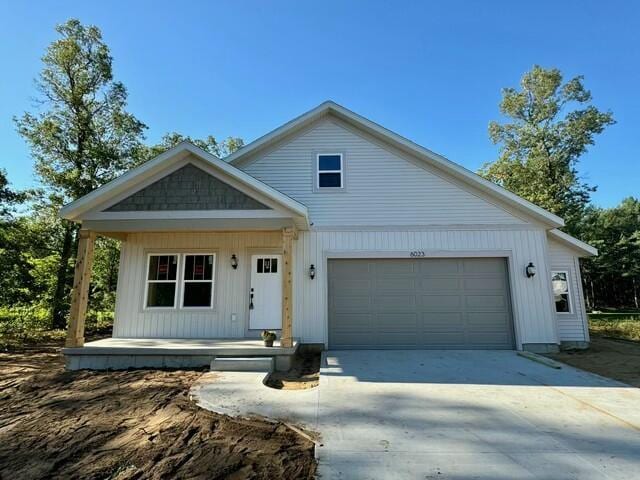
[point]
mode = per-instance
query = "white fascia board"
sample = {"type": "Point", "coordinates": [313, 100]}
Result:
{"type": "Point", "coordinates": [403, 143]}
{"type": "Point", "coordinates": [75, 209]}
{"type": "Point", "coordinates": [583, 248]}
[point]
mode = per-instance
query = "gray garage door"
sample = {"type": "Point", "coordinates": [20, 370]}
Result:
{"type": "Point", "coordinates": [419, 303]}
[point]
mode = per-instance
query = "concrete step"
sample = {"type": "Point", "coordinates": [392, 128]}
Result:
{"type": "Point", "coordinates": [239, 364]}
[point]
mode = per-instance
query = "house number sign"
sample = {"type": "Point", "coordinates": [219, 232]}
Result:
{"type": "Point", "coordinates": [417, 253]}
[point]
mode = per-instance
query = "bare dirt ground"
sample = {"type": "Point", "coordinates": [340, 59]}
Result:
{"type": "Point", "coordinates": [130, 425]}
{"type": "Point", "coordinates": [617, 359]}
{"type": "Point", "coordinates": [304, 373]}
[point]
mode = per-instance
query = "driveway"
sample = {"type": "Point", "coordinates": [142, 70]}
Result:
{"type": "Point", "coordinates": [471, 415]}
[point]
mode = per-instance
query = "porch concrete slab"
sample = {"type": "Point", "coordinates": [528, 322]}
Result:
{"type": "Point", "coordinates": [181, 346]}
{"type": "Point", "coordinates": [243, 394]}
{"type": "Point", "coordinates": [471, 414]}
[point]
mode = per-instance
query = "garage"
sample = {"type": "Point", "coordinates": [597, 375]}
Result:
{"type": "Point", "coordinates": [426, 303]}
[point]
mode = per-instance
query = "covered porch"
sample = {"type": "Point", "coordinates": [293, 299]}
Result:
{"type": "Point", "coordinates": [195, 233]}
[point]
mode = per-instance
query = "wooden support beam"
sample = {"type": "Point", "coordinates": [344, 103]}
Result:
{"type": "Point", "coordinates": [80, 291]}
{"type": "Point", "coordinates": [288, 235]}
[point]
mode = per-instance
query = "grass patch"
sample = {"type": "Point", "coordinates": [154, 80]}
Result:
{"type": "Point", "coordinates": [625, 325]}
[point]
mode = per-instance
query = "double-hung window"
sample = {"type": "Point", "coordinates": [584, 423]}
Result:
{"type": "Point", "coordinates": [162, 281]}
{"type": "Point", "coordinates": [330, 171]}
{"type": "Point", "coordinates": [560, 286]}
{"type": "Point", "coordinates": [197, 290]}
{"type": "Point", "coordinates": [188, 276]}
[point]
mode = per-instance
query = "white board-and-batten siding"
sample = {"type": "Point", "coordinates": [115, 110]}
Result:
{"type": "Point", "coordinates": [381, 187]}
{"type": "Point", "coordinates": [571, 326]}
{"type": "Point", "coordinates": [230, 286]}
{"type": "Point", "coordinates": [532, 308]}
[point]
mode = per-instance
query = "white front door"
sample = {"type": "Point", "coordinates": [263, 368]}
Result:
{"type": "Point", "coordinates": [265, 307]}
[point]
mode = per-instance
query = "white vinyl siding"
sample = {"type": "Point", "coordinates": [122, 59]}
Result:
{"type": "Point", "coordinates": [572, 326]}
{"type": "Point", "coordinates": [533, 315]}
{"type": "Point", "coordinates": [230, 286]}
{"type": "Point", "coordinates": [383, 187]}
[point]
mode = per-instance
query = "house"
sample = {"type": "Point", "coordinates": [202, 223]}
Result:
{"type": "Point", "coordinates": [332, 231]}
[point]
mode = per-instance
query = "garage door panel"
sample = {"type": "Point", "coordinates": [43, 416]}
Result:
{"type": "Point", "coordinates": [488, 319]}
{"type": "Point", "coordinates": [394, 322]}
{"type": "Point", "coordinates": [349, 269]}
{"type": "Point", "coordinates": [398, 340]}
{"type": "Point", "coordinates": [351, 303]}
{"type": "Point", "coordinates": [394, 284]}
{"type": "Point", "coordinates": [419, 303]}
{"type": "Point", "coordinates": [349, 322]}
{"type": "Point", "coordinates": [496, 284]}
{"type": "Point", "coordinates": [394, 303]}
{"type": "Point", "coordinates": [439, 284]}
{"type": "Point", "coordinates": [441, 301]}
{"type": "Point", "coordinates": [483, 266]}
{"type": "Point", "coordinates": [486, 301]}
{"type": "Point", "coordinates": [353, 286]}
{"type": "Point", "coordinates": [453, 321]}
{"type": "Point", "coordinates": [438, 266]}
{"type": "Point", "coordinates": [400, 267]}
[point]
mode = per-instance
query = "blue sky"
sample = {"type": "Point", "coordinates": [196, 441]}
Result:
{"type": "Point", "coordinates": [431, 71]}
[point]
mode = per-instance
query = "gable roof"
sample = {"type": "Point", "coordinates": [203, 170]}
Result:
{"type": "Point", "coordinates": [403, 144]}
{"type": "Point", "coordinates": [129, 180]}
{"type": "Point", "coordinates": [584, 249]}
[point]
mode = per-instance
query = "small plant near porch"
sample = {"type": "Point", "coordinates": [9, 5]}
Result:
{"type": "Point", "coordinates": [268, 337]}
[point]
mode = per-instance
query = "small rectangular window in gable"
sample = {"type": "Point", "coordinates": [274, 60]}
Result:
{"type": "Point", "coordinates": [330, 169]}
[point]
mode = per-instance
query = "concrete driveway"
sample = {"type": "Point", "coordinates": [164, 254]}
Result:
{"type": "Point", "coordinates": [472, 415]}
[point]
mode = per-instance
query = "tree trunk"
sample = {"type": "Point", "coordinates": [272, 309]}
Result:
{"type": "Point", "coordinates": [59, 304]}
{"type": "Point", "coordinates": [635, 292]}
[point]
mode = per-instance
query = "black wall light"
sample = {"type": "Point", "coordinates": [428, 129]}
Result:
{"type": "Point", "coordinates": [530, 270]}
{"type": "Point", "coordinates": [234, 261]}
{"type": "Point", "coordinates": [312, 272]}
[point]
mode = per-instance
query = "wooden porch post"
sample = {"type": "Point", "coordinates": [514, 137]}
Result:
{"type": "Point", "coordinates": [80, 291]}
{"type": "Point", "coordinates": [288, 235]}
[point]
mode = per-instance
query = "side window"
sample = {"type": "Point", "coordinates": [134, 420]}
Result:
{"type": "Point", "coordinates": [162, 281]}
{"type": "Point", "coordinates": [560, 285]}
{"type": "Point", "coordinates": [330, 171]}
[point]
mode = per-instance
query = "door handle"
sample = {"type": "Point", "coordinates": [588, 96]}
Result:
{"type": "Point", "coordinates": [251, 300]}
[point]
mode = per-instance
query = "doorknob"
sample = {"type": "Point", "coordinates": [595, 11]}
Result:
{"type": "Point", "coordinates": [251, 300]}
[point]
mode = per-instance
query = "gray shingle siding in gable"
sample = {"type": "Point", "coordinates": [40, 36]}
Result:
{"type": "Point", "coordinates": [188, 188]}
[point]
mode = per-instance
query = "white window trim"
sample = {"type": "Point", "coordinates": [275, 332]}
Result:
{"type": "Point", "coordinates": [179, 281]}
{"type": "Point", "coordinates": [569, 300]}
{"type": "Point", "coordinates": [318, 171]}
{"type": "Point", "coordinates": [183, 281]}
{"type": "Point", "coordinates": [147, 281]}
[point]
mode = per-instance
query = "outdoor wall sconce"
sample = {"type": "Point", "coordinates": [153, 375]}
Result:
{"type": "Point", "coordinates": [530, 270]}
{"type": "Point", "coordinates": [234, 261]}
{"type": "Point", "coordinates": [312, 272]}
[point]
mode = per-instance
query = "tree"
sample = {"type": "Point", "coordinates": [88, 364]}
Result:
{"type": "Point", "coordinates": [209, 144]}
{"type": "Point", "coordinates": [542, 142]}
{"type": "Point", "coordinates": [84, 136]}
{"type": "Point", "coordinates": [612, 279]}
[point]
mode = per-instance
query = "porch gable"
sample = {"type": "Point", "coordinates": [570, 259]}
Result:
{"type": "Point", "coordinates": [188, 188]}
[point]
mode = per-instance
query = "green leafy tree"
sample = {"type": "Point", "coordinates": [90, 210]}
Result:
{"type": "Point", "coordinates": [9, 198]}
{"type": "Point", "coordinates": [82, 136]}
{"type": "Point", "coordinates": [612, 279]}
{"type": "Point", "coordinates": [550, 126]}
{"type": "Point", "coordinates": [209, 144]}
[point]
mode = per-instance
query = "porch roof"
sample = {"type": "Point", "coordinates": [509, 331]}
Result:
{"type": "Point", "coordinates": [93, 210]}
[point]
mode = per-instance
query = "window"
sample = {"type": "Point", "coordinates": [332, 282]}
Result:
{"type": "Point", "coordinates": [560, 285]}
{"type": "Point", "coordinates": [162, 280]}
{"type": "Point", "coordinates": [267, 265]}
{"type": "Point", "coordinates": [330, 170]}
{"type": "Point", "coordinates": [197, 290]}
{"type": "Point", "coordinates": [194, 285]}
